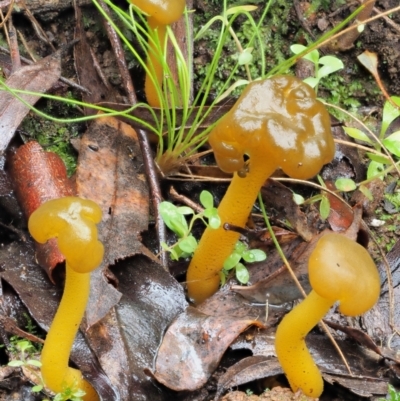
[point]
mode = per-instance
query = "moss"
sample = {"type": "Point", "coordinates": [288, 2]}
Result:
{"type": "Point", "coordinates": [54, 136]}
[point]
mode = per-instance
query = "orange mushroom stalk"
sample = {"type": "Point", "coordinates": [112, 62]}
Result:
{"type": "Point", "coordinates": [73, 222]}
{"type": "Point", "coordinates": [160, 14]}
{"type": "Point", "coordinates": [276, 123]}
{"type": "Point", "coordinates": [339, 270]}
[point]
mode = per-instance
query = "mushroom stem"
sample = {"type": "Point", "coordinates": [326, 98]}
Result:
{"type": "Point", "coordinates": [291, 349]}
{"type": "Point", "coordinates": [55, 354]}
{"type": "Point", "coordinates": [153, 62]}
{"type": "Point", "coordinates": [216, 245]}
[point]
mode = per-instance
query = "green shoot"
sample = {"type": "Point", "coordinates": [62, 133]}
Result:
{"type": "Point", "coordinates": [240, 252]}
{"type": "Point", "coordinates": [330, 64]}
{"type": "Point", "coordinates": [390, 144]}
{"type": "Point", "coordinates": [174, 218]}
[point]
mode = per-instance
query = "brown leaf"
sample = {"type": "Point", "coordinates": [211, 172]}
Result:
{"type": "Point", "coordinates": [87, 74]}
{"type": "Point", "coordinates": [279, 197]}
{"type": "Point", "coordinates": [127, 339]}
{"type": "Point", "coordinates": [247, 370]}
{"type": "Point", "coordinates": [38, 77]}
{"type": "Point", "coordinates": [39, 176]}
{"type": "Point", "coordinates": [110, 173]}
{"type": "Point", "coordinates": [193, 346]}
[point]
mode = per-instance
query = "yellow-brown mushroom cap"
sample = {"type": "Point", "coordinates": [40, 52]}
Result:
{"type": "Point", "coordinates": [342, 270]}
{"type": "Point", "coordinates": [165, 12]}
{"type": "Point", "coordinates": [73, 221]}
{"type": "Point", "coordinates": [277, 119]}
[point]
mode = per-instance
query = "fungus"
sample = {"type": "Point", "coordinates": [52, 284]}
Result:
{"type": "Point", "coordinates": [73, 222]}
{"type": "Point", "coordinates": [160, 14]}
{"type": "Point", "coordinates": [276, 123]}
{"type": "Point", "coordinates": [339, 270]}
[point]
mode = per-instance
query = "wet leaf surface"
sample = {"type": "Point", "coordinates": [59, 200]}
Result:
{"type": "Point", "coordinates": [127, 340]}
{"type": "Point", "coordinates": [193, 346]}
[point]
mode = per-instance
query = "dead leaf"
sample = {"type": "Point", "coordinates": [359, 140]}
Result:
{"type": "Point", "coordinates": [110, 172]}
{"type": "Point", "coordinates": [38, 77]}
{"type": "Point", "coordinates": [127, 339]}
{"type": "Point", "coordinates": [87, 74]}
{"type": "Point", "coordinates": [193, 346]}
{"type": "Point", "coordinates": [247, 370]}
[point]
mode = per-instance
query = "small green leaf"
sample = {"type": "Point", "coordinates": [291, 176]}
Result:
{"type": "Point", "coordinates": [374, 170]}
{"type": "Point", "coordinates": [240, 9]}
{"type": "Point", "coordinates": [357, 134]}
{"type": "Point", "coordinates": [345, 184]}
{"type": "Point", "coordinates": [330, 64]}
{"type": "Point", "coordinates": [185, 210]}
{"type": "Point", "coordinates": [298, 199]}
{"type": "Point", "coordinates": [311, 81]}
{"type": "Point", "coordinates": [313, 56]}
{"type": "Point", "coordinates": [389, 114]}
{"type": "Point", "coordinates": [321, 181]}
{"type": "Point", "coordinates": [188, 244]}
{"type": "Point", "coordinates": [367, 193]}
{"type": "Point", "coordinates": [34, 362]}
{"type": "Point", "coordinates": [16, 364]}
{"type": "Point", "coordinates": [214, 220]}
{"type": "Point", "coordinates": [254, 255]}
{"type": "Point", "coordinates": [222, 277]}
{"type": "Point", "coordinates": [232, 261]}
{"type": "Point", "coordinates": [324, 208]}
{"type": "Point", "coordinates": [206, 199]}
{"type": "Point", "coordinates": [174, 220]}
{"type": "Point", "coordinates": [37, 389]}
{"type": "Point", "coordinates": [378, 158]}
{"type": "Point", "coordinates": [242, 274]}
{"type": "Point", "coordinates": [245, 57]}
{"type": "Point", "coordinates": [240, 247]}
{"type": "Point", "coordinates": [392, 143]}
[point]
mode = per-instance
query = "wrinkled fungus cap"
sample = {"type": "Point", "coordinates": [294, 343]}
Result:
{"type": "Point", "coordinates": [277, 119]}
{"type": "Point", "coordinates": [163, 11]}
{"type": "Point", "coordinates": [73, 221]}
{"type": "Point", "coordinates": [342, 270]}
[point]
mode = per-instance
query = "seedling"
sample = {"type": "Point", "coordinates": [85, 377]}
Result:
{"type": "Point", "coordinates": [390, 144]}
{"type": "Point", "coordinates": [233, 262]}
{"type": "Point", "coordinates": [175, 220]}
{"type": "Point", "coordinates": [330, 64]}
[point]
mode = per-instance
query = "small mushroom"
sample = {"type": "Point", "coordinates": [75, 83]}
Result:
{"type": "Point", "coordinates": [160, 14]}
{"type": "Point", "coordinates": [73, 222]}
{"type": "Point", "coordinates": [276, 123]}
{"type": "Point", "coordinates": [339, 270]}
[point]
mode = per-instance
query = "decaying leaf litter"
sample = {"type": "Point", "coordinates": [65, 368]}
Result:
{"type": "Point", "coordinates": [135, 301]}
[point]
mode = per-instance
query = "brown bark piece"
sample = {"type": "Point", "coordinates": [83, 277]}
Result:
{"type": "Point", "coordinates": [39, 176]}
